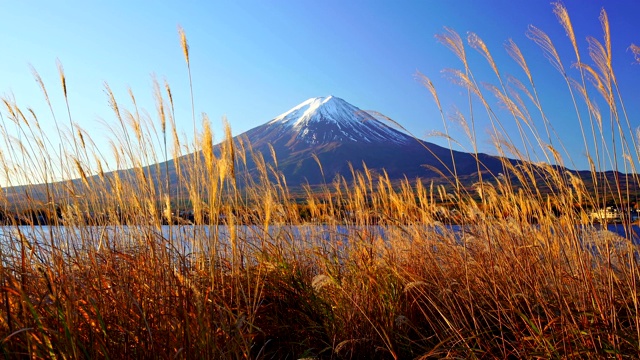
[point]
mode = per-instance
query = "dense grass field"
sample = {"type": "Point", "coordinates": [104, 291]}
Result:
{"type": "Point", "coordinates": [530, 276]}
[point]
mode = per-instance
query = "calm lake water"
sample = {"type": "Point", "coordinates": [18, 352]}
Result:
{"type": "Point", "coordinates": [183, 238]}
{"type": "Point", "coordinates": [186, 237]}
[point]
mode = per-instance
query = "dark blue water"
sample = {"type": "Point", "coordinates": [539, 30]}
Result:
{"type": "Point", "coordinates": [632, 232]}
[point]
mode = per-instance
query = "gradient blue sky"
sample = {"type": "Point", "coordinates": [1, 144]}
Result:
{"type": "Point", "coordinates": [252, 60]}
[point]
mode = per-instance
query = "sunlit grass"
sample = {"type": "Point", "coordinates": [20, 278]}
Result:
{"type": "Point", "coordinates": [361, 268]}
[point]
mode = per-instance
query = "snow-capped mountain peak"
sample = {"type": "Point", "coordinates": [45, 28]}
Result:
{"type": "Point", "coordinates": [329, 118]}
{"type": "Point", "coordinates": [311, 109]}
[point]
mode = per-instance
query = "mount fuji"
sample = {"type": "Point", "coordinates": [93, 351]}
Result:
{"type": "Point", "coordinates": [327, 131]}
{"type": "Point", "coordinates": [342, 136]}
{"type": "Point", "coordinates": [331, 119]}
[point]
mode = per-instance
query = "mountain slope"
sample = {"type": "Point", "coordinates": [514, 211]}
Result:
{"type": "Point", "coordinates": [328, 130]}
{"type": "Point", "coordinates": [340, 134]}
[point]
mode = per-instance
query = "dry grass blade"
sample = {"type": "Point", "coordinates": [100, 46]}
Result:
{"type": "Point", "coordinates": [563, 17]}
{"type": "Point", "coordinates": [184, 44]}
{"type": "Point", "coordinates": [514, 51]}
{"type": "Point", "coordinates": [453, 41]}
{"type": "Point", "coordinates": [544, 41]}
{"type": "Point", "coordinates": [477, 43]}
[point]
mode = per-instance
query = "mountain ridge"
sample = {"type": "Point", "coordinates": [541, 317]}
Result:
{"type": "Point", "coordinates": [353, 124]}
{"type": "Point", "coordinates": [346, 138]}
{"type": "Point", "coordinates": [341, 137]}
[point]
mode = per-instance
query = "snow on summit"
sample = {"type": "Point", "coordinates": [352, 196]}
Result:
{"type": "Point", "coordinates": [330, 118]}
{"type": "Point", "coordinates": [329, 107]}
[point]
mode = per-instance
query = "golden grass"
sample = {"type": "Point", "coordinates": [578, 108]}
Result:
{"type": "Point", "coordinates": [361, 268]}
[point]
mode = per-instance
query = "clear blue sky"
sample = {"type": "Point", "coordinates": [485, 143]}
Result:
{"type": "Point", "coordinates": [252, 60]}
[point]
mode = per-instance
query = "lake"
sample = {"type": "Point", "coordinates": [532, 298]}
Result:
{"type": "Point", "coordinates": [190, 238]}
